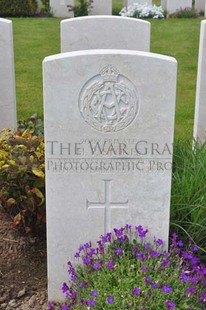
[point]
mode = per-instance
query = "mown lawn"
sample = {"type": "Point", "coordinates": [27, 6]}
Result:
{"type": "Point", "coordinates": [35, 38]}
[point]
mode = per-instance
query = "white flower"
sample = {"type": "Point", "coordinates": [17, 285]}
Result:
{"type": "Point", "coordinates": [142, 11]}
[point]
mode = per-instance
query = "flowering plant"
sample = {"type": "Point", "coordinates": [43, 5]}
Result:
{"type": "Point", "coordinates": [142, 11]}
{"type": "Point", "coordinates": [124, 271]}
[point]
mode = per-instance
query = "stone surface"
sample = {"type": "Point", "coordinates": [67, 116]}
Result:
{"type": "Point", "coordinates": [101, 7]}
{"type": "Point", "coordinates": [109, 122]}
{"type": "Point", "coordinates": [104, 32]}
{"type": "Point", "coordinates": [173, 5]}
{"type": "Point", "coordinates": [200, 5]}
{"type": "Point", "coordinates": [200, 104]}
{"type": "Point", "coordinates": [7, 82]}
{"type": "Point", "coordinates": [59, 8]}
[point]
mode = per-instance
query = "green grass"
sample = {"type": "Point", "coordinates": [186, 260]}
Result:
{"type": "Point", "coordinates": [188, 199]}
{"type": "Point", "coordinates": [35, 38]}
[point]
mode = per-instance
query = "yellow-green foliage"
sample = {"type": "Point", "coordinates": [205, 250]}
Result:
{"type": "Point", "coordinates": [22, 181]}
{"type": "Point", "coordinates": [18, 8]}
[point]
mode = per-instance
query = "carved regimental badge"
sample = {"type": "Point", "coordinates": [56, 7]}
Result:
{"type": "Point", "coordinates": [108, 102]}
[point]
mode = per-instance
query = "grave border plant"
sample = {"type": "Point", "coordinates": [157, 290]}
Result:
{"type": "Point", "coordinates": [125, 271]}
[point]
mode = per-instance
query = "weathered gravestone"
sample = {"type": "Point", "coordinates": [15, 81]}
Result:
{"type": "Point", "coordinates": [172, 6]}
{"type": "Point", "coordinates": [100, 7]}
{"type": "Point", "coordinates": [59, 8]}
{"type": "Point", "coordinates": [109, 122]}
{"type": "Point", "coordinates": [200, 5]}
{"type": "Point", "coordinates": [108, 32]}
{"type": "Point", "coordinates": [200, 104]}
{"type": "Point", "coordinates": [7, 81]}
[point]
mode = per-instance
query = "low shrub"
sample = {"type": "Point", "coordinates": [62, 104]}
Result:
{"type": "Point", "coordinates": [18, 8]}
{"type": "Point", "coordinates": [185, 13]}
{"type": "Point", "coordinates": [22, 181]}
{"type": "Point", "coordinates": [124, 271]}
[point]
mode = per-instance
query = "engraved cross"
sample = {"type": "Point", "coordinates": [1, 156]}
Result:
{"type": "Point", "coordinates": [107, 205]}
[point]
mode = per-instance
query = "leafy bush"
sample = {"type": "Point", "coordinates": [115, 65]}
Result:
{"type": "Point", "coordinates": [82, 8]}
{"type": "Point", "coordinates": [33, 123]}
{"type": "Point", "coordinates": [18, 8]}
{"type": "Point", "coordinates": [22, 184]}
{"type": "Point", "coordinates": [124, 271]}
{"type": "Point", "coordinates": [185, 13]}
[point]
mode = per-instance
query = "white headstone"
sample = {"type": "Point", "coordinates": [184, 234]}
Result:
{"type": "Point", "coordinates": [8, 118]}
{"type": "Point", "coordinates": [200, 5]}
{"type": "Point", "coordinates": [59, 8]}
{"type": "Point", "coordinates": [109, 122]}
{"type": "Point", "coordinates": [174, 5]}
{"type": "Point", "coordinates": [131, 2]}
{"type": "Point", "coordinates": [101, 7]}
{"type": "Point", "coordinates": [108, 32]}
{"type": "Point", "coordinates": [200, 104]}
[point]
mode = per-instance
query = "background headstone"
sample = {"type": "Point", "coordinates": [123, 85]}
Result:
{"type": "Point", "coordinates": [8, 118]}
{"type": "Point", "coordinates": [173, 5]}
{"type": "Point", "coordinates": [131, 2]}
{"type": "Point", "coordinates": [200, 5]}
{"type": "Point", "coordinates": [101, 7]}
{"type": "Point", "coordinates": [109, 122]}
{"type": "Point", "coordinates": [108, 32]}
{"type": "Point", "coordinates": [200, 104]}
{"type": "Point", "coordinates": [59, 8]}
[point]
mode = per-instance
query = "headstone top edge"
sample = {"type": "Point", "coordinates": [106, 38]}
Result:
{"type": "Point", "coordinates": [4, 20]}
{"type": "Point", "coordinates": [108, 52]}
{"type": "Point", "coordinates": [111, 17]}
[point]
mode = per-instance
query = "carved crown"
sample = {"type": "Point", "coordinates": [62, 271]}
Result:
{"type": "Point", "coordinates": [109, 73]}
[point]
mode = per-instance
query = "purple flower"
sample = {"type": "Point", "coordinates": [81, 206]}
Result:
{"type": "Point", "coordinates": [190, 290]}
{"type": "Point", "coordinates": [159, 242]}
{"type": "Point", "coordinates": [96, 266]}
{"type": "Point", "coordinates": [65, 307]}
{"type": "Point", "coordinates": [86, 261]}
{"type": "Point", "coordinates": [147, 279]}
{"type": "Point", "coordinates": [154, 285]}
{"type": "Point", "coordinates": [136, 291]}
{"type": "Point", "coordinates": [147, 246]}
{"type": "Point", "coordinates": [50, 306]}
{"type": "Point", "coordinates": [165, 262]}
{"type": "Point", "coordinates": [64, 288]}
{"type": "Point", "coordinates": [118, 232]}
{"type": "Point", "coordinates": [94, 293]}
{"type": "Point", "coordinates": [91, 303]}
{"type": "Point", "coordinates": [87, 245]}
{"type": "Point", "coordinates": [170, 304]}
{"type": "Point", "coordinates": [110, 265]}
{"type": "Point", "coordinates": [180, 243]}
{"type": "Point", "coordinates": [174, 236]}
{"type": "Point", "coordinates": [166, 289]}
{"type": "Point", "coordinates": [143, 269]}
{"type": "Point", "coordinates": [193, 279]}
{"type": "Point", "coordinates": [142, 233]}
{"type": "Point", "coordinates": [154, 254]}
{"type": "Point", "coordinates": [118, 251]}
{"type": "Point", "coordinates": [110, 299]}
{"type": "Point", "coordinates": [128, 227]}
